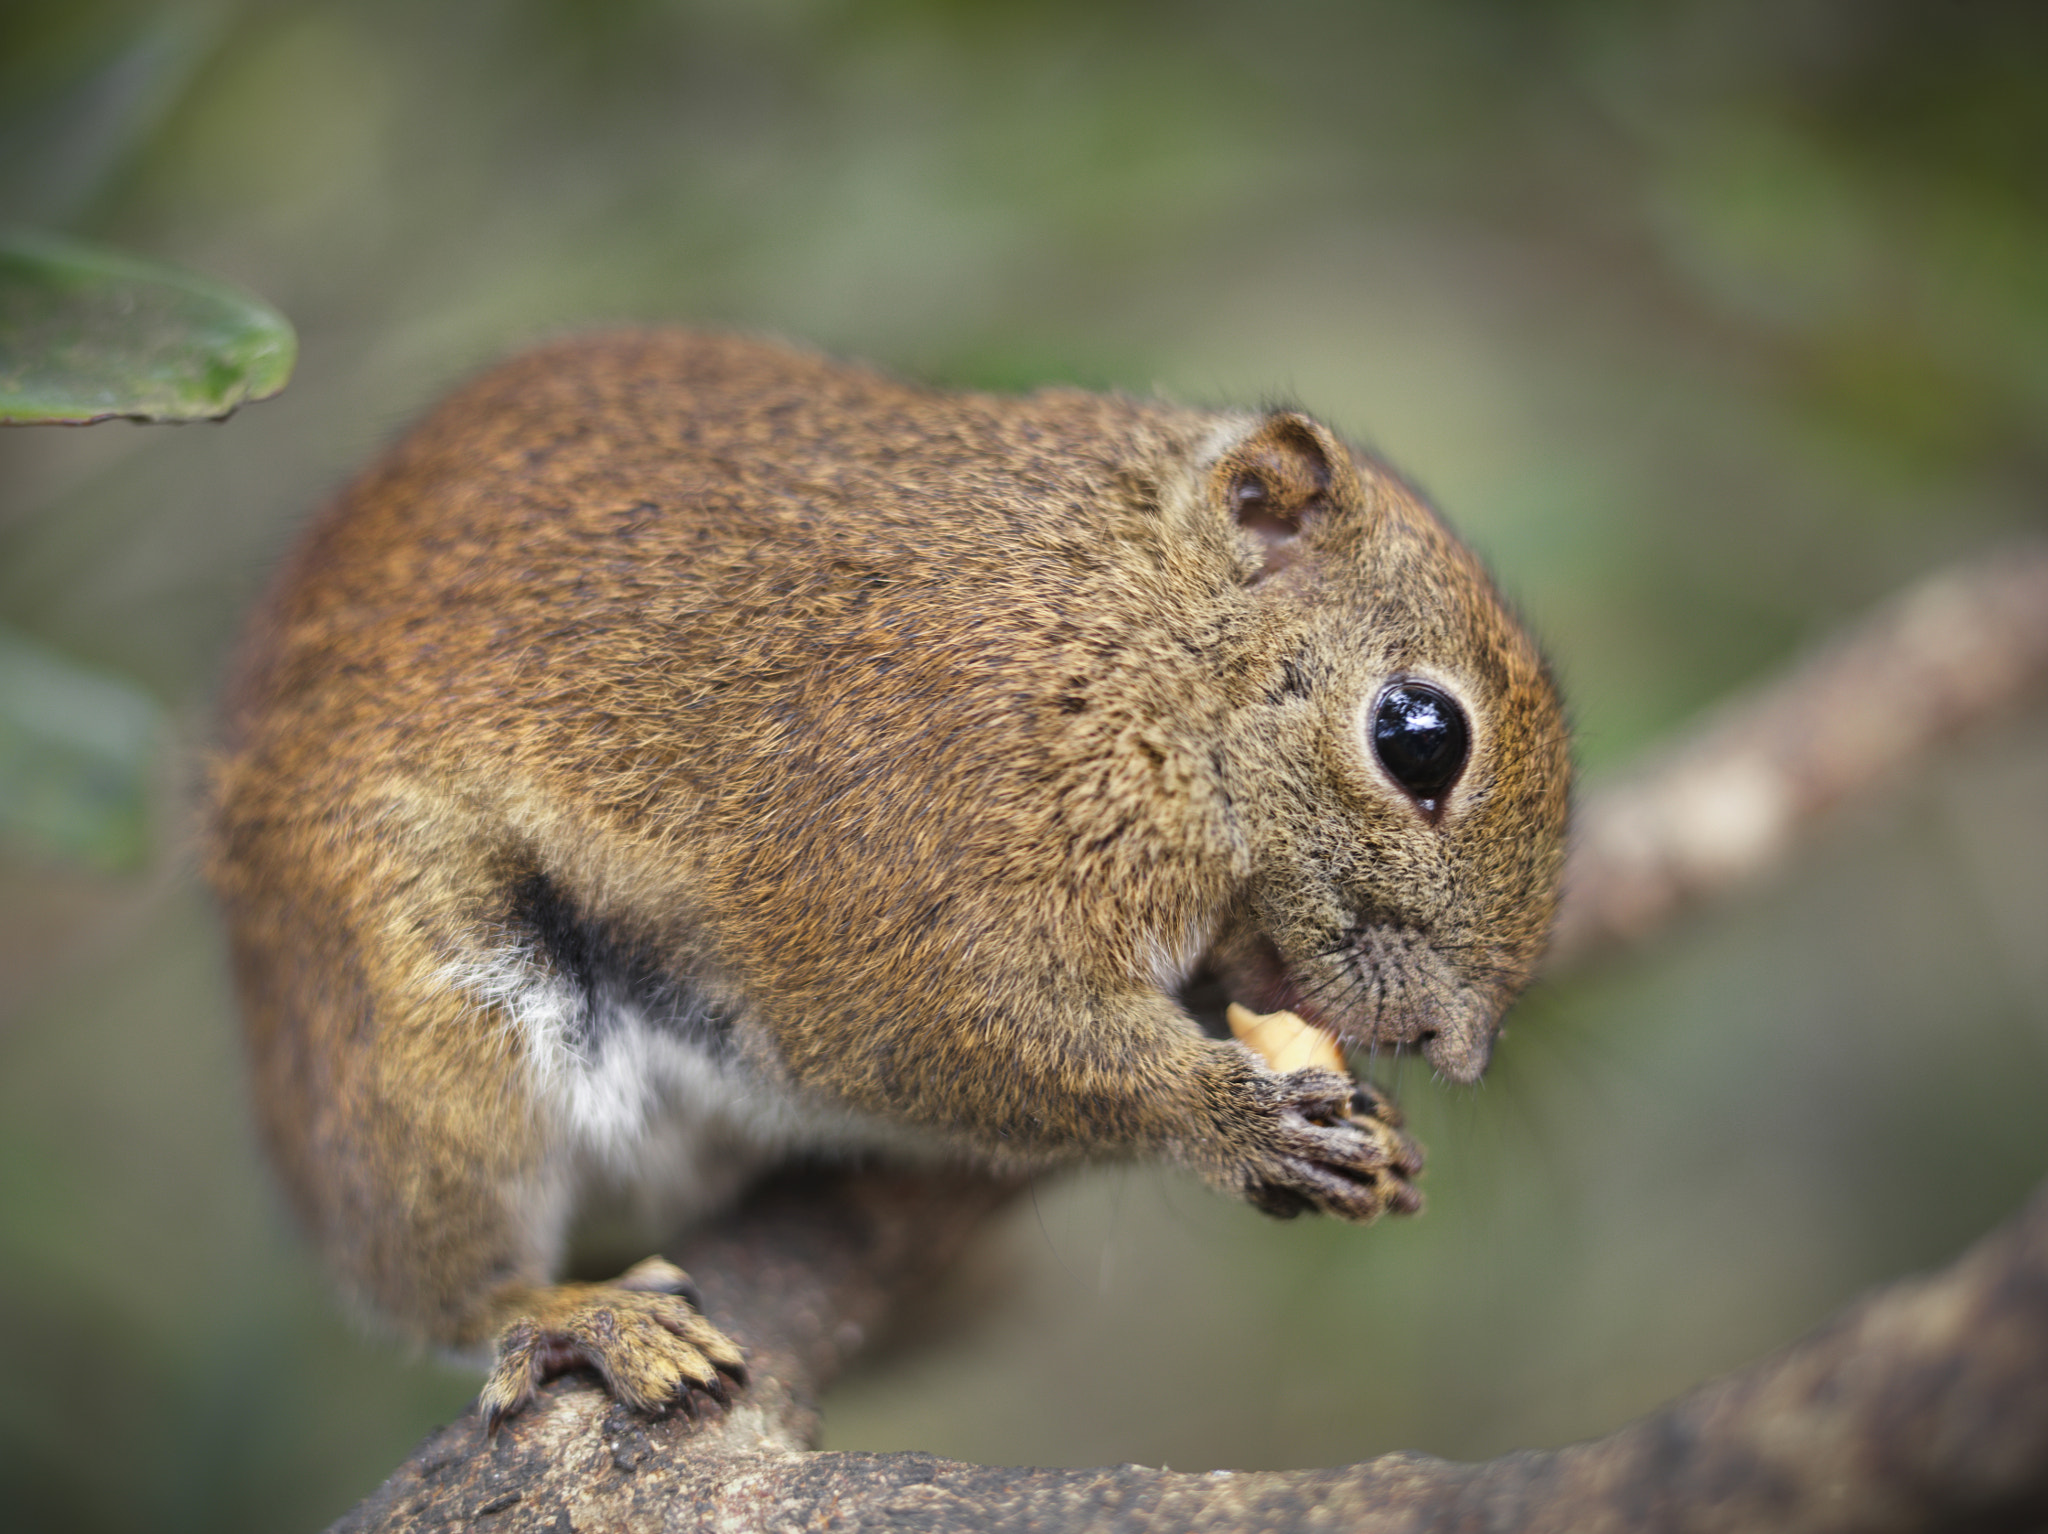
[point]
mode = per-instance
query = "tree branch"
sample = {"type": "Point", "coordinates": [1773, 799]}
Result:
{"type": "Point", "coordinates": [1734, 797]}
{"type": "Point", "coordinates": [1924, 1406]}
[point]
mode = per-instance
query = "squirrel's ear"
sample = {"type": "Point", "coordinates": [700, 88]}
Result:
{"type": "Point", "coordinates": [1278, 477]}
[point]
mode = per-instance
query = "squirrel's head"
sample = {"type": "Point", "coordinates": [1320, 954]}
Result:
{"type": "Point", "coordinates": [1404, 752]}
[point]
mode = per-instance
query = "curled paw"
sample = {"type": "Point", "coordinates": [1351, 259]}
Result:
{"type": "Point", "coordinates": [1330, 1144]}
{"type": "Point", "coordinates": [642, 1333]}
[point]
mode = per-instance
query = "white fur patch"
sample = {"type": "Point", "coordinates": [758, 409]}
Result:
{"type": "Point", "coordinates": [1167, 959]}
{"type": "Point", "coordinates": [641, 1104]}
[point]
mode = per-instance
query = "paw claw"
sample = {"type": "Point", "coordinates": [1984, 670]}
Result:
{"type": "Point", "coordinates": [657, 1275]}
{"type": "Point", "coordinates": [1369, 1102]}
{"type": "Point", "coordinates": [514, 1376]}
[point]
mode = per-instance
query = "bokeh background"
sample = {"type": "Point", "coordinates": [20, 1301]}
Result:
{"type": "Point", "coordinates": [1709, 323]}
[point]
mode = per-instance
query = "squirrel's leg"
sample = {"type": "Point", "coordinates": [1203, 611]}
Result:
{"type": "Point", "coordinates": [404, 1113]}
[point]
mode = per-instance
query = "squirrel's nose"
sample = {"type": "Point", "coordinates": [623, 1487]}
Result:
{"type": "Point", "coordinates": [1459, 1043]}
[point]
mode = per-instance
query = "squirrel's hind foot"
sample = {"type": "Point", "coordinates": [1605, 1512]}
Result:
{"type": "Point", "coordinates": [642, 1333]}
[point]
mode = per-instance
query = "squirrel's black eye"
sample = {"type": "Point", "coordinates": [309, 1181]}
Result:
{"type": "Point", "coordinates": [1422, 740]}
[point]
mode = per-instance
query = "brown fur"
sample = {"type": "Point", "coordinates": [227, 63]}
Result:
{"type": "Point", "coordinates": [923, 742]}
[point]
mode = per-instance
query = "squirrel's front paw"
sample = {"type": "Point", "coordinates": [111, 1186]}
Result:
{"type": "Point", "coordinates": [1328, 1143]}
{"type": "Point", "coordinates": [642, 1332]}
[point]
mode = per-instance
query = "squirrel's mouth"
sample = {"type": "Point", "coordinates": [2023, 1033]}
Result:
{"type": "Point", "coordinates": [1386, 991]}
{"type": "Point", "coordinates": [1254, 976]}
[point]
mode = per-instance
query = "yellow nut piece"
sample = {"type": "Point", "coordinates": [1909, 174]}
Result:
{"type": "Point", "coordinates": [1285, 1041]}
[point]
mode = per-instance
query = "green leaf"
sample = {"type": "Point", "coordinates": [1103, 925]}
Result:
{"type": "Point", "coordinates": [87, 334]}
{"type": "Point", "coordinates": [76, 748]}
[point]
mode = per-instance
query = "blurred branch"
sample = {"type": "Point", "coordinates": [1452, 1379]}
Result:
{"type": "Point", "coordinates": [1922, 1407]}
{"type": "Point", "coordinates": [1736, 797]}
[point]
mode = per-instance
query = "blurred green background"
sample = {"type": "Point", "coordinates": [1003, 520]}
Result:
{"type": "Point", "coordinates": [1709, 323]}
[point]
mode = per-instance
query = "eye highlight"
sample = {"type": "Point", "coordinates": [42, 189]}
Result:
{"type": "Point", "coordinates": [1420, 735]}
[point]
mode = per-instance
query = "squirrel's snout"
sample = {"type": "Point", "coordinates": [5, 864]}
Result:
{"type": "Point", "coordinates": [1460, 1046]}
{"type": "Point", "coordinates": [1399, 989]}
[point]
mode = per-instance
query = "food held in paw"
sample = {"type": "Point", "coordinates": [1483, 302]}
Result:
{"type": "Point", "coordinates": [1285, 1041]}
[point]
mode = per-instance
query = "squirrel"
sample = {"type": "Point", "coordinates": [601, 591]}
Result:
{"type": "Point", "coordinates": [683, 753]}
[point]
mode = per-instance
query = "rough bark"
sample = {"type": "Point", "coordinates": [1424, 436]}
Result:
{"type": "Point", "coordinates": [1923, 1406]}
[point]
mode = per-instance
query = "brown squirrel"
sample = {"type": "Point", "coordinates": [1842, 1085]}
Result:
{"type": "Point", "coordinates": [684, 752]}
